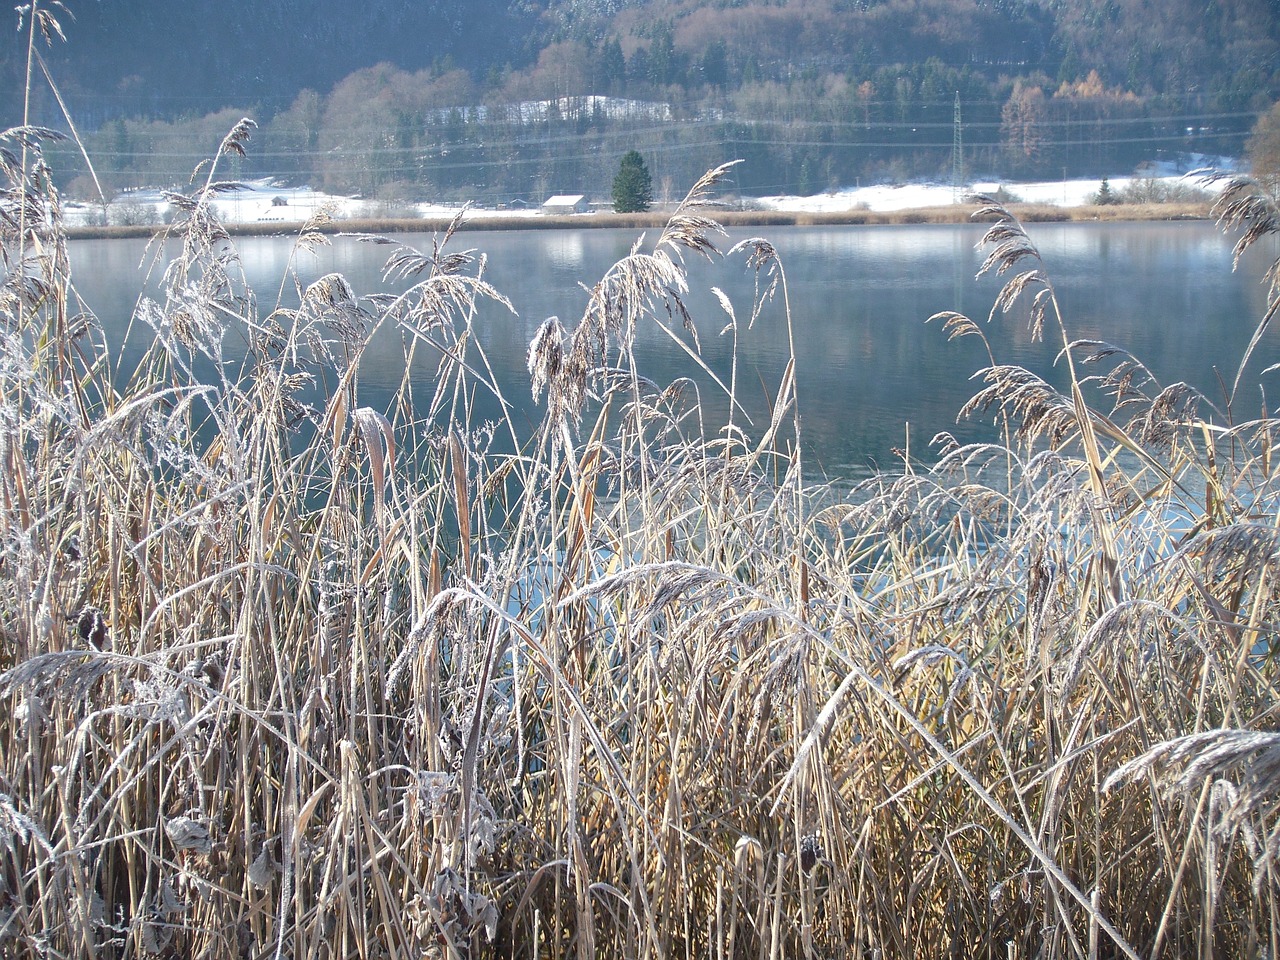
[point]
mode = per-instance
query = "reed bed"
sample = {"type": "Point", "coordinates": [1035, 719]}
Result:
{"type": "Point", "coordinates": [724, 216]}
{"type": "Point", "coordinates": [283, 675]}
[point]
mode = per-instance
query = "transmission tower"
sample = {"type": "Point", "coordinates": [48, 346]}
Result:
{"type": "Point", "coordinates": [957, 154]}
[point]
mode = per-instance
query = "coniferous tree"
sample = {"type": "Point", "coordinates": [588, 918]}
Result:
{"type": "Point", "coordinates": [715, 64]}
{"type": "Point", "coordinates": [613, 65]}
{"type": "Point", "coordinates": [633, 186]}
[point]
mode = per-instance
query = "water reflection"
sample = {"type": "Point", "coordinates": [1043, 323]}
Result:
{"type": "Point", "coordinates": [567, 249]}
{"type": "Point", "coordinates": [867, 362]}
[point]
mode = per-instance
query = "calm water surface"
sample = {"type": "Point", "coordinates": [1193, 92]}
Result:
{"type": "Point", "coordinates": [867, 362]}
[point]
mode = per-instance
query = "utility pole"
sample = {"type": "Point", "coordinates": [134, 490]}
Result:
{"type": "Point", "coordinates": [957, 153]}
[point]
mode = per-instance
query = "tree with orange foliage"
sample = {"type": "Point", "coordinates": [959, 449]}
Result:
{"type": "Point", "coordinates": [1021, 127]}
{"type": "Point", "coordinates": [1262, 150]}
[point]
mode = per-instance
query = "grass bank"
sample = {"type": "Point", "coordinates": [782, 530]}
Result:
{"type": "Point", "coordinates": [283, 677]}
{"type": "Point", "coordinates": [957, 213]}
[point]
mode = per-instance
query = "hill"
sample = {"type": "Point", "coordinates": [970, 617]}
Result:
{"type": "Point", "coordinates": [162, 60]}
{"type": "Point", "coordinates": [403, 99]}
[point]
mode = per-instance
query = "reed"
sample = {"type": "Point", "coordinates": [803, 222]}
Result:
{"type": "Point", "coordinates": [955, 213]}
{"type": "Point", "coordinates": [285, 675]}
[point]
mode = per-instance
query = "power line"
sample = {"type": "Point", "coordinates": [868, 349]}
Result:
{"type": "Point", "coordinates": [1054, 134]}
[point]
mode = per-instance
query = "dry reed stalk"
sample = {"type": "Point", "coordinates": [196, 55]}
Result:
{"type": "Point", "coordinates": [286, 675]}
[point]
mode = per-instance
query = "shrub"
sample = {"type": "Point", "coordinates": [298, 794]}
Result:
{"type": "Point", "coordinates": [130, 212]}
{"type": "Point", "coordinates": [1005, 196]}
{"type": "Point", "coordinates": [1148, 190]}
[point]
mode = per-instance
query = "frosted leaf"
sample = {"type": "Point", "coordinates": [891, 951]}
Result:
{"type": "Point", "coordinates": [188, 834]}
{"type": "Point", "coordinates": [262, 869]}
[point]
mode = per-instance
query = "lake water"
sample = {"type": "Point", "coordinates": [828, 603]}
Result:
{"type": "Point", "coordinates": [867, 362]}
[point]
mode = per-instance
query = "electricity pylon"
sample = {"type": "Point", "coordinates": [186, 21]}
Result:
{"type": "Point", "coordinates": [957, 154]}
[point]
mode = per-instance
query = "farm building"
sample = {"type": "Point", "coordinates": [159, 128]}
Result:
{"type": "Point", "coordinates": [563, 203]}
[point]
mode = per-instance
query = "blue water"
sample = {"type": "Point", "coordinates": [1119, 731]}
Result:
{"type": "Point", "coordinates": [872, 375]}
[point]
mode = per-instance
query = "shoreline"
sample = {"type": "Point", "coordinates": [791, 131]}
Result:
{"type": "Point", "coordinates": [952, 213]}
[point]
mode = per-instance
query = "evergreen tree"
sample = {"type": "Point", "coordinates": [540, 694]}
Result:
{"type": "Point", "coordinates": [1105, 195]}
{"type": "Point", "coordinates": [715, 64]}
{"type": "Point", "coordinates": [613, 65]}
{"type": "Point", "coordinates": [632, 187]}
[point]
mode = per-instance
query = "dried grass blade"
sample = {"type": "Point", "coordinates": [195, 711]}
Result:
{"type": "Point", "coordinates": [816, 734]}
{"type": "Point", "coordinates": [380, 447]}
{"type": "Point", "coordinates": [461, 499]}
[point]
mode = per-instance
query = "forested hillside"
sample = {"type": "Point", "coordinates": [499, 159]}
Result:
{"type": "Point", "coordinates": [161, 59]}
{"type": "Point", "coordinates": [494, 99]}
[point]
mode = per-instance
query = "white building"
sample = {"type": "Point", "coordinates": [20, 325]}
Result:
{"type": "Point", "coordinates": [565, 203]}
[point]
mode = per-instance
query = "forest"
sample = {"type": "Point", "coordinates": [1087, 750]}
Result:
{"type": "Point", "coordinates": [505, 101]}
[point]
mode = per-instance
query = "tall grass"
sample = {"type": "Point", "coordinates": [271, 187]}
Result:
{"type": "Point", "coordinates": [282, 675]}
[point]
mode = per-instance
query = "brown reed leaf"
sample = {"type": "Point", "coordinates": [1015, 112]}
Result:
{"type": "Point", "coordinates": [189, 833]}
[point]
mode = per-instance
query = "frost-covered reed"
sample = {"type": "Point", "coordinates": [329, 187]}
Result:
{"type": "Point", "coordinates": [285, 675]}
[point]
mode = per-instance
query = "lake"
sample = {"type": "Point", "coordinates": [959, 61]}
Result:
{"type": "Point", "coordinates": [867, 362]}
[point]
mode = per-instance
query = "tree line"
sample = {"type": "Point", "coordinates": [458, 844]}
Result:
{"type": "Point", "coordinates": [814, 94]}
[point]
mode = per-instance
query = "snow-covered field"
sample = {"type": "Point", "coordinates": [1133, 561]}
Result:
{"type": "Point", "coordinates": [266, 202]}
{"type": "Point", "coordinates": [912, 196]}
{"type": "Point", "coordinates": [1061, 193]}
{"type": "Point", "coordinates": [262, 201]}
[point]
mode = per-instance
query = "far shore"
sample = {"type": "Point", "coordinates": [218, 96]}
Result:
{"type": "Point", "coordinates": [952, 213]}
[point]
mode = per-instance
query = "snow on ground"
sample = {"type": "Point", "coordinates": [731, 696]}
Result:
{"type": "Point", "coordinates": [912, 196]}
{"type": "Point", "coordinates": [1061, 193]}
{"type": "Point", "coordinates": [263, 201]}
{"type": "Point", "coordinates": [266, 202]}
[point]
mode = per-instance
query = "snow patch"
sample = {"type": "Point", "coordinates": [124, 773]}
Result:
{"type": "Point", "coordinates": [265, 201]}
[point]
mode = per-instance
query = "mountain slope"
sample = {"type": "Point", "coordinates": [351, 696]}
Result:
{"type": "Point", "coordinates": [161, 58]}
